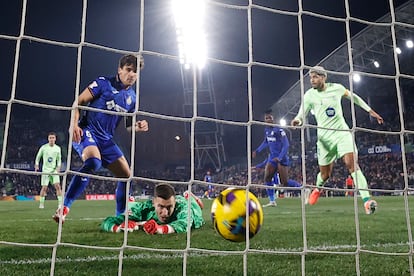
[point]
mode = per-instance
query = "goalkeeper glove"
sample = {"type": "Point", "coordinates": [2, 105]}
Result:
{"type": "Point", "coordinates": [151, 227]}
{"type": "Point", "coordinates": [132, 226]}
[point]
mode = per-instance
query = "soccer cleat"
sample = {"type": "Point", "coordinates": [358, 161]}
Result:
{"type": "Point", "coordinates": [370, 206]}
{"type": "Point", "coordinates": [197, 199]}
{"type": "Point", "coordinates": [41, 206]}
{"type": "Point", "coordinates": [270, 204]}
{"type": "Point", "coordinates": [62, 215]}
{"type": "Point", "coordinates": [314, 196]}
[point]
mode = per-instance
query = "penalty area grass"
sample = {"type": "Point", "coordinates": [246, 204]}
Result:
{"type": "Point", "coordinates": [323, 236]}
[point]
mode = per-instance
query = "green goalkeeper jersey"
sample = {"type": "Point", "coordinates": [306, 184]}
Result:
{"type": "Point", "coordinates": [144, 211]}
{"type": "Point", "coordinates": [327, 108]}
{"type": "Point", "coordinates": [51, 158]}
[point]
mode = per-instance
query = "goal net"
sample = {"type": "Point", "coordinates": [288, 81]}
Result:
{"type": "Point", "coordinates": [258, 55]}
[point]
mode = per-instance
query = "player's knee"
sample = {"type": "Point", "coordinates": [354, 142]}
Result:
{"type": "Point", "coordinates": [92, 164]}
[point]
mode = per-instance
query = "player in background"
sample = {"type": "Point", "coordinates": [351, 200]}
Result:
{"type": "Point", "coordinates": [276, 182]}
{"type": "Point", "coordinates": [93, 133]}
{"type": "Point", "coordinates": [349, 184]}
{"type": "Point", "coordinates": [278, 161]}
{"type": "Point", "coordinates": [210, 189]}
{"type": "Point", "coordinates": [166, 213]}
{"type": "Point", "coordinates": [51, 156]}
{"type": "Point", "coordinates": [325, 101]}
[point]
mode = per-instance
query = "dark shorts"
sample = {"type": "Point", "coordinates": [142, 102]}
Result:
{"type": "Point", "coordinates": [284, 162]}
{"type": "Point", "coordinates": [110, 152]}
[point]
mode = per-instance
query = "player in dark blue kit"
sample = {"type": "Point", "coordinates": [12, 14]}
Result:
{"type": "Point", "coordinates": [278, 161]}
{"type": "Point", "coordinates": [210, 189]}
{"type": "Point", "coordinates": [93, 133]}
{"type": "Point", "coordinates": [290, 183]}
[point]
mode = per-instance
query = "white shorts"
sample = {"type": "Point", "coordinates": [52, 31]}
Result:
{"type": "Point", "coordinates": [49, 178]}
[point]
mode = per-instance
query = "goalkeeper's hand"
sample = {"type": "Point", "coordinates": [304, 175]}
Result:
{"type": "Point", "coordinates": [132, 226]}
{"type": "Point", "coordinates": [151, 227]}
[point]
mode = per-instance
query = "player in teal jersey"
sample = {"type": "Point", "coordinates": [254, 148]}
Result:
{"type": "Point", "coordinates": [51, 156]}
{"type": "Point", "coordinates": [325, 101]}
{"type": "Point", "coordinates": [166, 213]}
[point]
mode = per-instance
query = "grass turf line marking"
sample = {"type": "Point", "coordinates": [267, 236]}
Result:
{"type": "Point", "coordinates": [173, 256]}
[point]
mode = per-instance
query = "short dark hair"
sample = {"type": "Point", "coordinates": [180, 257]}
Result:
{"type": "Point", "coordinates": [131, 60]}
{"type": "Point", "coordinates": [164, 190]}
{"type": "Point", "coordinates": [318, 70]}
{"type": "Point", "coordinates": [52, 133]}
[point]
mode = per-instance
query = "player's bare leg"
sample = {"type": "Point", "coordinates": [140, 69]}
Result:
{"type": "Point", "coordinates": [323, 175]}
{"type": "Point", "coordinates": [43, 193]}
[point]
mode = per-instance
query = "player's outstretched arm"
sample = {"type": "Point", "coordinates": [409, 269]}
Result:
{"type": "Point", "coordinates": [84, 98]}
{"type": "Point", "coordinates": [295, 122]}
{"type": "Point", "coordinates": [374, 114]}
{"type": "Point", "coordinates": [151, 227]}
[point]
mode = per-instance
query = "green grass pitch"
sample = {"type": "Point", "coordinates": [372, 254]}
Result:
{"type": "Point", "coordinates": [278, 249]}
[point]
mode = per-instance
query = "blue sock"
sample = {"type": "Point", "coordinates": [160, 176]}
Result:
{"type": "Point", "coordinates": [270, 192]}
{"type": "Point", "coordinates": [120, 194]}
{"type": "Point", "coordinates": [78, 183]}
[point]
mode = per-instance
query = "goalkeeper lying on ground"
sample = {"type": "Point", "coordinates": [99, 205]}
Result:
{"type": "Point", "coordinates": [166, 213]}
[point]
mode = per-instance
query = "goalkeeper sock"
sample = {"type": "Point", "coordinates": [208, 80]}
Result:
{"type": "Point", "coordinates": [42, 199]}
{"type": "Point", "coordinates": [361, 183]}
{"type": "Point", "coordinates": [270, 192]}
{"type": "Point", "coordinates": [78, 183]}
{"type": "Point", "coordinates": [60, 198]}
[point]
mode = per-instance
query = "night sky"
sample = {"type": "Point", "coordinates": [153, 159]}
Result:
{"type": "Point", "coordinates": [47, 73]}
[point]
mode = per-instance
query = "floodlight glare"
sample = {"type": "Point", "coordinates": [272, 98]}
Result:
{"type": "Point", "coordinates": [376, 64]}
{"type": "Point", "coordinates": [356, 77]}
{"type": "Point", "coordinates": [282, 122]}
{"type": "Point", "coordinates": [398, 50]}
{"type": "Point", "coordinates": [409, 44]}
{"type": "Point", "coordinates": [191, 39]}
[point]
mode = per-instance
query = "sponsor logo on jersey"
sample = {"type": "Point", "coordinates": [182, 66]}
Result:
{"type": "Point", "coordinates": [330, 112]}
{"type": "Point", "coordinates": [111, 105]}
{"type": "Point", "coordinates": [271, 139]}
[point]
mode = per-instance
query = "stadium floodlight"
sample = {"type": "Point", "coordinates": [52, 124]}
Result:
{"type": "Point", "coordinates": [376, 64]}
{"type": "Point", "coordinates": [398, 50]}
{"type": "Point", "coordinates": [191, 38]}
{"type": "Point", "coordinates": [356, 77]}
{"type": "Point", "coordinates": [409, 43]}
{"type": "Point", "coordinates": [282, 122]}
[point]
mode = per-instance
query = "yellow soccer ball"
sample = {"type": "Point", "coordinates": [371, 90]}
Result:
{"type": "Point", "coordinates": [228, 213]}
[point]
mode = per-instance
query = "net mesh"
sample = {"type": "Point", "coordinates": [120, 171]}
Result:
{"type": "Point", "coordinates": [251, 71]}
